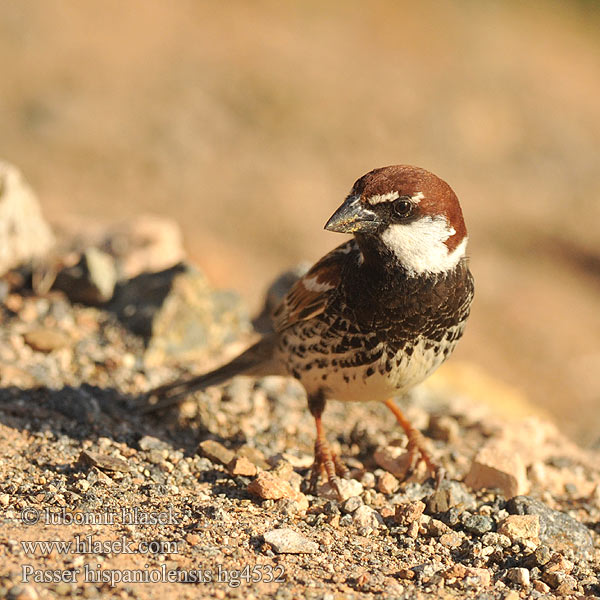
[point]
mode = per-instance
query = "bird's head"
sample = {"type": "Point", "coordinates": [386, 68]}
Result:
{"type": "Point", "coordinates": [410, 212]}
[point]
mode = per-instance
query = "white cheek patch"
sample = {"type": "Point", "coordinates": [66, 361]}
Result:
{"type": "Point", "coordinates": [420, 245]}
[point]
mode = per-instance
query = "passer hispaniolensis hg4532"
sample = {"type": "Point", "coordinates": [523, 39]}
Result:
{"type": "Point", "coordinates": [375, 316]}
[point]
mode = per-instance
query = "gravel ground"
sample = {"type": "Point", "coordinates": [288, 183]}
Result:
{"type": "Point", "coordinates": [209, 499]}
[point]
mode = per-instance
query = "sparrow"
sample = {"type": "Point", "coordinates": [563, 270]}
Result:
{"type": "Point", "coordinates": [375, 316]}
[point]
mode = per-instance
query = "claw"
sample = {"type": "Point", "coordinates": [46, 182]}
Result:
{"type": "Point", "coordinates": [416, 448]}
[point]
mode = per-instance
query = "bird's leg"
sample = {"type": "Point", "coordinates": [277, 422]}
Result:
{"type": "Point", "coordinates": [415, 446]}
{"type": "Point", "coordinates": [326, 462]}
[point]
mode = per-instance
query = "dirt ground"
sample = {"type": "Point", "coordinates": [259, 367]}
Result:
{"type": "Point", "coordinates": [99, 499]}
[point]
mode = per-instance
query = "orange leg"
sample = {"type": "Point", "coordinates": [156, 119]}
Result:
{"type": "Point", "coordinates": [416, 446]}
{"type": "Point", "coordinates": [326, 462]}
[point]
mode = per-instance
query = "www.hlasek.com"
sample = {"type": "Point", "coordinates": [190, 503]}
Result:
{"type": "Point", "coordinates": [88, 545]}
{"type": "Point", "coordinates": [161, 574]}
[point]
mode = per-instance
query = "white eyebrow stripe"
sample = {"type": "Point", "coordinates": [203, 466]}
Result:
{"type": "Point", "coordinates": [391, 196]}
{"type": "Point", "coordinates": [379, 198]}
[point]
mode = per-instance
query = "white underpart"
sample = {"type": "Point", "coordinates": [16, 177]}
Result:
{"type": "Point", "coordinates": [379, 198]}
{"type": "Point", "coordinates": [420, 245]}
{"type": "Point", "coordinates": [312, 285]}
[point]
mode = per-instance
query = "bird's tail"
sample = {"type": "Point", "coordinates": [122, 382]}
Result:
{"type": "Point", "coordinates": [258, 360]}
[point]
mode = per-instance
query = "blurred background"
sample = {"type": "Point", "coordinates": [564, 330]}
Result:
{"type": "Point", "coordinates": [248, 122]}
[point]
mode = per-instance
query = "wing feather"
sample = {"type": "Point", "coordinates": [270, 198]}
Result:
{"type": "Point", "coordinates": [310, 295]}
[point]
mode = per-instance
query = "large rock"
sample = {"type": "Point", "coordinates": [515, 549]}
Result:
{"type": "Point", "coordinates": [557, 529]}
{"type": "Point", "coordinates": [24, 234]}
{"type": "Point", "coordinates": [91, 281]}
{"type": "Point", "coordinates": [180, 315]}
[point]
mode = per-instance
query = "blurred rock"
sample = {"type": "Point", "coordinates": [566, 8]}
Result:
{"type": "Point", "coordinates": [24, 233]}
{"type": "Point", "coordinates": [140, 244]}
{"type": "Point", "coordinates": [91, 281]}
{"type": "Point", "coordinates": [180, 316]}
{"type": "Point", "coordinates": [557, 529]}
{"type": "Point", "coordinates": [216, 452]}
{"type": "Point", "coordinates": [240, 465]}
{"type": "Point", "coordinates": [103, 461]}
{"type": "Point", "coordinates": [347, 488]}
{"type": "Point", "coordinates": [44, 339]}
{"type": "Point", "coordinates": [366, 517]}
{"type": "Point", "coordinates": [450, 494]}
{"type": "Point", "coordinates": [408, 512]}
{"type": "Point", "coordinates": [144, 244]}
{"type": "Point", "coordinates": [387, 483]}
{"type": "Point", "coordinates": [393, 459]}
{"type": "Point", "coordinates": [496, 466]}
{"type": "Point", "coordinates": [443, 427]}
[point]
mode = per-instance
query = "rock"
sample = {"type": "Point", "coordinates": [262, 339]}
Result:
{"type": "Point", "coordinates": [180, 316]}
{"type": "Point", "coordinates": [557, 529]}
{"type": "Point", "coordinates": [387, 483]}
{"type": "Point", "coordinates": [521, 527]}
{"type": "Point", "coordinates": [558, 563]}
{"type": "Point", "coordinates": [144, 244]}
{"type": "Point", "coordinates": [22, 591]}
{"type": "Point", "coordinates": [392, 459]}
{"type": "Point", "coordinates": [408, 512]}
{"type": "Point", "coordinates": [216, 452]}
{"type": "Point", "coordinates": [351, 504]}
{"type": "Point", "coordinates": [269, 487]}
{"type": "Point", "coordinates": [541, 587]}
{"type": "Point", "coordinates": [496, 540]}
{"type": "Point", "coordinates": [497, 467]}
{"type": "Point", "coordinates": [254, 455]}
{"type": "Point", "coordinates": [450, 494]}
{"type": "Point", "coordinates": [519, 575]}
{"type": "Point", "coordinates": [149, 442]}
{"type": "Point", "coordinates": [24, 233]}
{"type": "Point", "coordinates": [240, 465]}
{"type": "Point", "coordinates": [282, 468]}
{"type": "Point", "coordinates": [347, 488]}
{"type": "Point", "coordinates": [103, 461]}
{"type": "Point", "coordinates": [478, 576]}
{"type": "Point", "coordinates": [451, 539]}
{"type": "Point", "coordinates": [476, 524]}
{"type": "Point", "coordinates": [288, 541]}
{"type": "Point", "coordinates": [366, 517]}
{"type": "Point", "coordinates": [561, 582]}
{"type": "Point", "coordinates": [91, 281]}
{"type": "Point", "coordinates": [436, 528]}
{"type": "Point", "coordinates": [44, 339]}
{"type": "Point", "coordinates": [443, 427]}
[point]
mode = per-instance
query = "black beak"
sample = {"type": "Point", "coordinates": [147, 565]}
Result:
{"type": "Point", "coordinates": [352, 217]}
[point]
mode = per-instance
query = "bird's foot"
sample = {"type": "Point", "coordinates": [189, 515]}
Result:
{"type": "Point", "coordinates": [416, 447]}
{"type": "Point", "coordinates": [417, 452]}
{"type": "Point", "coordinates": [328, 464]}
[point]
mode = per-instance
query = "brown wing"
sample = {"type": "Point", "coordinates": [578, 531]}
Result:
{"type": "Point", "coordinates": [309, 296]}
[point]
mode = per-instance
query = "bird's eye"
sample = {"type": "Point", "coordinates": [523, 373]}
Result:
{"type": "Point", "coordinates": [402, 208]}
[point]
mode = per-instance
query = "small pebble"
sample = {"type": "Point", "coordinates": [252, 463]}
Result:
{"type": "Point", "coordinates": [288, 541]}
